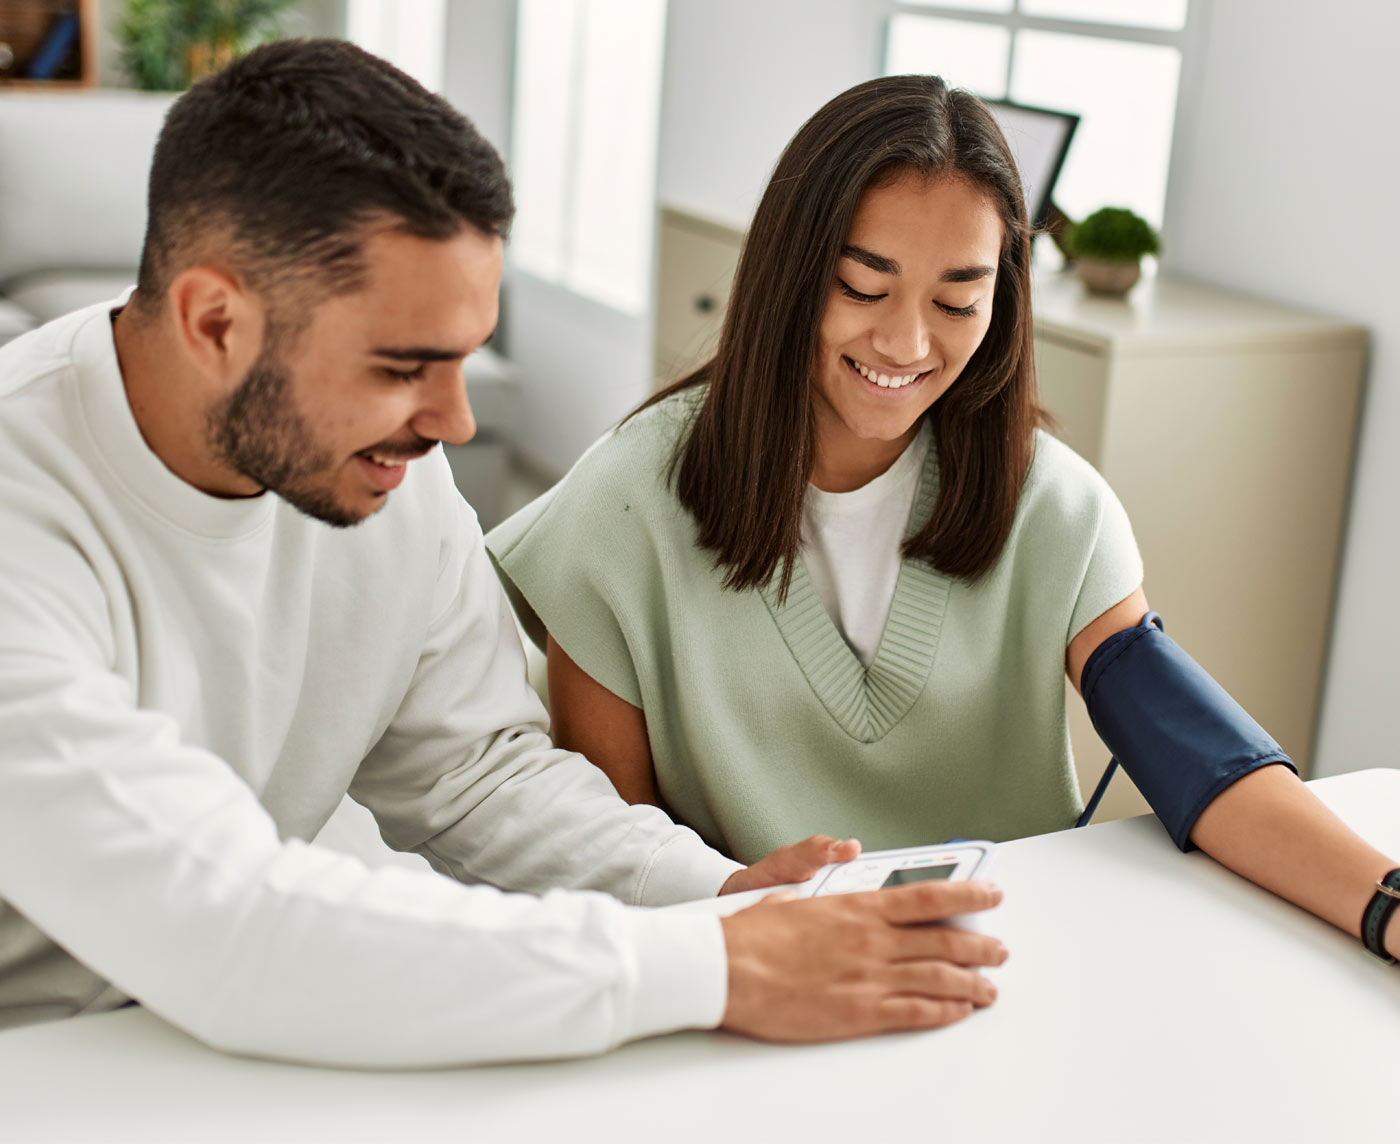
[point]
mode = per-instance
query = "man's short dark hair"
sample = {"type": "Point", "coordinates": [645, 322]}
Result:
{"type": "Point", "coordinates": [284, 158]}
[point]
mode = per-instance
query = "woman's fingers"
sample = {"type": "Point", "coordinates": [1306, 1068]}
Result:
{"type": "Point", "coordinates": [794, 863]}
{"type": "Point", "coordinates": [803, 859]}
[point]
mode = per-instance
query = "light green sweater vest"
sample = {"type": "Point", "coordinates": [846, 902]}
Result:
{"type": "Point", "coordinates": [764, 727]}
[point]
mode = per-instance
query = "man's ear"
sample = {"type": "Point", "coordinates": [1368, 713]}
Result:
{"type": "Point", "coordinates": [218, 321]}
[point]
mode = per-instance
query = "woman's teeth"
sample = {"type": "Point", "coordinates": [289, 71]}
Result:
{"type": "Point", "coordinates": [884, 380]}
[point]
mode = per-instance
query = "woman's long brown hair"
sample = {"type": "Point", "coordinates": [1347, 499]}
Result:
{"type": "Point", "coordinates": [742, 468]}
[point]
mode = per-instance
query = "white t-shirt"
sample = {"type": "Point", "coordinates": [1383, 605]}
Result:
{"type": "Point", "coordinates": [190, 685]}
{"type": "Point", "coordinates": [851, 546]}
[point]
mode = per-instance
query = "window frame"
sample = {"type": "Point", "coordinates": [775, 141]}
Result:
{"type": "Point", "coordinates": [1186, 40]}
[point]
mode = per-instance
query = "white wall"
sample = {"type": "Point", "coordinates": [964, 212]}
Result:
{"type": "Point", "coordinates": [740, 78]}
{"type": "Point", "coordinates": [582, 367]}
{"type": "Point", "coordinates": [1284, 186]}
{"type": "Point", "coordinates": [480, 64]}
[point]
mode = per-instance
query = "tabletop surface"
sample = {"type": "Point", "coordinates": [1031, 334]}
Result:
{"type": "Point", "coordinates": [1150, 996]}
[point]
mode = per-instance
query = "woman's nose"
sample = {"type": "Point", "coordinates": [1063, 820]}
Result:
{"type": "Point", "coordinates": [902, 337]}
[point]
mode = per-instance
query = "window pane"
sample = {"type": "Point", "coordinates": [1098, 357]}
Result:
{"type": "Point", "coordinates": [1126, 96]}
{"type": "Point", "coordinates": [583, 147]}
{"type": "Point", "coordinates": [542, 129]}
{"type": "Point", "coordinates": [975, 5]}
{"type": "Point", "coordinates": [967, 55]}
{"type": "Point", "coordinates": [615, 192]}
{"type": "Point", "coordinates": [1169, 14]}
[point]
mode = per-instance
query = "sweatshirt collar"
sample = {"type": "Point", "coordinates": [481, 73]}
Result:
{"type": "Point", "coordinates": [141, 474]}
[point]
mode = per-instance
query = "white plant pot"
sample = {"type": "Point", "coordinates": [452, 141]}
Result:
{"type": "Point", "coordinates": [1115, 278]}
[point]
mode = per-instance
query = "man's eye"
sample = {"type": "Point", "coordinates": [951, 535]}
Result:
{"type": "Point", "coordinates": [403, 374]}
{"type": "Point", "coordinates": [856, 295]}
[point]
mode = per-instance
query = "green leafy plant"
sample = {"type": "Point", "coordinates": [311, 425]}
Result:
{"type": "Point", "coordinates": [1113, 234]}
{"type": "Point", "coordinates": [169, 44]}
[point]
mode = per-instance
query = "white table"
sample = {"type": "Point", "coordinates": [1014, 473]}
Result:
{"type": "Point", "coordinates": [1149, 997]}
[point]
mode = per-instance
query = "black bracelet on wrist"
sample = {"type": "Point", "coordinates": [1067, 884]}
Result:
{"type": "Point", "coordinates": [1382, 907]}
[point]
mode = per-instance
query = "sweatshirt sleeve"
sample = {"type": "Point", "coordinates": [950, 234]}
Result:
{"type": "Point", "coordinates": [154, 864]}
{"type": "Point", "coordinates": [467, 776]}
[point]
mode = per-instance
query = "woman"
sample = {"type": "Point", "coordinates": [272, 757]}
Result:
{"type": "Point", "coordinates": [834, 580]}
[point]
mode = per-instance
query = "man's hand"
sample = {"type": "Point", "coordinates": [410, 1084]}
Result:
{"type": "Point", "coordinates": [795, 863]}
{"type": "Point", "coordinates": [848, 965]}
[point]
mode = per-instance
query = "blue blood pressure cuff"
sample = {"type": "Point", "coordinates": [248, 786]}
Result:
{"type": "Point", "coordinates": [1177, 733]}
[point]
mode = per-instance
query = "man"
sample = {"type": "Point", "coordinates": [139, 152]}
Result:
{"type": "Point", "coordinates": [193, 672]}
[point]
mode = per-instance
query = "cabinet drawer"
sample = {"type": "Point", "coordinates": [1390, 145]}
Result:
{"type": "Point", "coordinates": [697, 265]}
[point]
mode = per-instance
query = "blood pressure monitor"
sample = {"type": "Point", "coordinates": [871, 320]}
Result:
{"type": "Point", "coordinates": [878, 870]}
{"type": "Point", "coordinates": [884, 869]}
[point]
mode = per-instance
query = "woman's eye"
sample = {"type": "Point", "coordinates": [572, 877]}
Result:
{"type": "Point", "coordinates": [403, 374]}
{"type": "Point", "coordinates": [856, 295]}
{"type": "Point", "coordinates": [958, 311]}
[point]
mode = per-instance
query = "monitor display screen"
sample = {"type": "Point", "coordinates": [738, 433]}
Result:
{"type": "Point", "coordinates": [1039, 140]}
{"type": "Point", "coordinates": [910, 875]}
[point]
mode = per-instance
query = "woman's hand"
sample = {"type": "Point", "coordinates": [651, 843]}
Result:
{"type": "Point", "coordinates": [795, 863]}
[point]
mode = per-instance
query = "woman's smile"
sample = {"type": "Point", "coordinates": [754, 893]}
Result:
{"type": "Point", "coordinates": [887, 381]}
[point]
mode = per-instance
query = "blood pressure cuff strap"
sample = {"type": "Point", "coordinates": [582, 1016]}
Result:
{"type": "Point", "coordinates": [1177, 733]}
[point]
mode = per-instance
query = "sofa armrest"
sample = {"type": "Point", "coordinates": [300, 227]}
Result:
{"type": "Point", "coordinates": [73, 170]}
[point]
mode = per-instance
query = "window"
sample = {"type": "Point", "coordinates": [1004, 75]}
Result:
{"type": "Point", "coordinates": [583, 144]}
{"type": "Point", "coordinates": [1115, 63]}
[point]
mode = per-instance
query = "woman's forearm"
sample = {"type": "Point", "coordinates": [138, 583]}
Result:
{"type": "Point", "coordinates": [1269, 828]}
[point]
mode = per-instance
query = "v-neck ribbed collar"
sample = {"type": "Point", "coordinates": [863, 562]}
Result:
{"type": "Point", "coordinates": [867, 702]}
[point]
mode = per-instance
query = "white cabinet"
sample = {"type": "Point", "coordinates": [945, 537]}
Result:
{"type": "Point", "coordinates": [1226, 427]}
{"type": "Point", "coordinates": [696, 263]}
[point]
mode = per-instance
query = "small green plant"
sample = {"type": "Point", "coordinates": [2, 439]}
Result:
{"type": "Point", "coordinates": [1113, 234]}
{"type": "Point", "coordinates": [169, 44]}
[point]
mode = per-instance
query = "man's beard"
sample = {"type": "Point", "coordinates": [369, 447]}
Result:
{"type": "Point", "coordinates": [258, 431]}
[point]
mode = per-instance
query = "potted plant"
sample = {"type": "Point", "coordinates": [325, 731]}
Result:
{"type": "Point", "coordinates": [1108, 247]}
{"type": "Point", "coordinates": [169, 44]}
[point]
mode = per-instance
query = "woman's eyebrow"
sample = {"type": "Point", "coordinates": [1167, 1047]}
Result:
{"type": "Point", "coordinates": [882, 265]}
{"type": "Point", "coordinates": [877, 262]}
{"type": "Point", "coordinates": [968, 274]}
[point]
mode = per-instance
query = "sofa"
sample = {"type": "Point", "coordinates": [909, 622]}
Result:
{"type": "Point", "coordinates": [72, 198]}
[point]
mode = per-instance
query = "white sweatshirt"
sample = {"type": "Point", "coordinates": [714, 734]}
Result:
{"type": "Point", "coordinates": [188, 685]}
